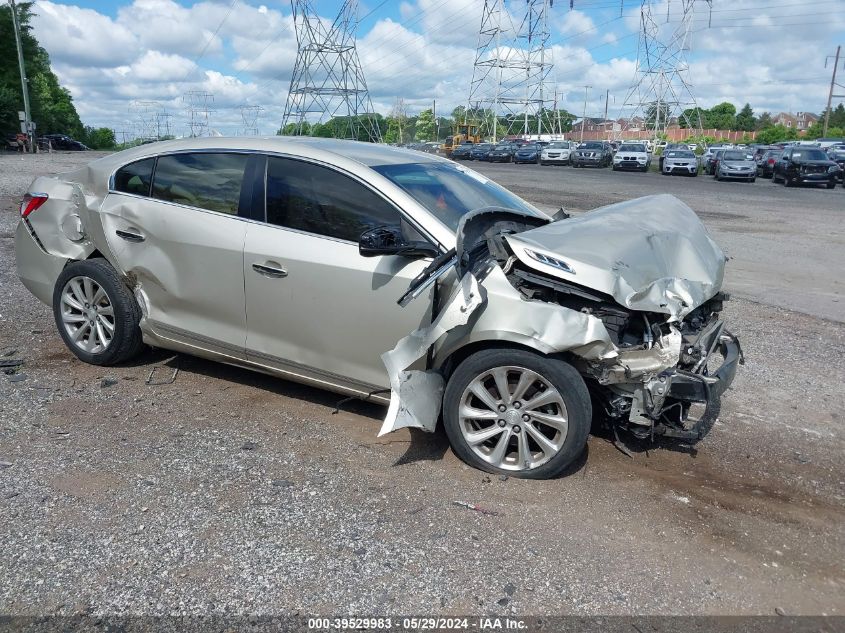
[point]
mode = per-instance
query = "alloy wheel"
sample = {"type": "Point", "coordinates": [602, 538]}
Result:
{"type": "Point", "coordinates": [87, 314]}
{"type": "Point", "coordinates": [513, 418]}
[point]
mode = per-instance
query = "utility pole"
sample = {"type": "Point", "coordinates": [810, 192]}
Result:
{"type": "Point", "coordinates": [584, 115]}
{"type": "Point", "coordinates": [28, 127]}
{"type": "Point", "coordinates": [830, 94]}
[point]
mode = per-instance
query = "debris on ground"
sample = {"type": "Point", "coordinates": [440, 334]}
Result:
{"type": "Point", "coordinates": [472, 506]}
{"type": "Point", "coordinates": [11, 362]}
{"type": "Point", "coordinates": [167, 381]}
{"type": "Point", "coordinates": [108, 382]}
{"type": "Point", "coordinates": [17, 377]}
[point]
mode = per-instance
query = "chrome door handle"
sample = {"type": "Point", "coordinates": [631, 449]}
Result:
{"type": "Point", "coordinates": [270, 271]}
{"type": "Point", "coordinates": [130, 236]}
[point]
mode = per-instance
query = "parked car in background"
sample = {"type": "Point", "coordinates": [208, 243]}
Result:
{"type": "Point", "coordinates": [557, 153]}
{"type": "Point", "coordinates": [62, 142]}
{"type": "Point", "coordinates": [593, 153]}
{"type": "Point", "coordinates": [315, 239]}
{"type": "Point", "coordinates": [736, 164]}
{"type": "Point", "coordinates": [713, 160]}
{"type": "Point", "coordinates": [501, 153]}
{"type": "Point", "coordinates": [670, 146]}
{"type": "Point", "coordinates": [707, 157]}
{"type": "Point", "coordinates": [805, 165]}
{"type": "Point", "coordinates": [767, 161]}
{"type": "Point", "coordinates": [528, 153]}
{"type": "Point", "coordinates": [837, 155]}
{"type": "Point", "coordinates": [632, 156]}
{"type": "Point", "coordinates": [463, 151]}
{"type": "Point", "coordinates": [480, 151]}
{"type": "Point", "coordinates": [680, 161]}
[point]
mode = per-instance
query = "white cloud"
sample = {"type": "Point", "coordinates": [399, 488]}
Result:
{"type": "Point", "coordinates": [83, 36]}
{"type": "Point", "coordinates": [149, 51]}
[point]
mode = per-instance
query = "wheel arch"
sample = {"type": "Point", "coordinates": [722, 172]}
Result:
{"type": "Point", "coordinates": [450, 356]}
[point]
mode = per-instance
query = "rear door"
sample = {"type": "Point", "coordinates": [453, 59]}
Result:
{"type": "Point", "coordinates": [315, 307]}
{"type": "Point", "coordinates": [176, 225]}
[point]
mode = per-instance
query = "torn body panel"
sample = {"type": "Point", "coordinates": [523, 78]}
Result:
{"type": "Point", "coordinates": [628, 292]}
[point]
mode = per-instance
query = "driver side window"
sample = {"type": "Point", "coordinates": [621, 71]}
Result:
{"type": "Point", "coordinates": [316, 199]}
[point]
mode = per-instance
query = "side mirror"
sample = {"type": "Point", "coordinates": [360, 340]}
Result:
{"type": "Point", "coordinates": [388, 240]}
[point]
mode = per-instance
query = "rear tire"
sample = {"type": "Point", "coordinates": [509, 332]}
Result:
{"type": "Point", "coordinates": [550, 435]}
{"type": "Point", "coordinates": [96, 313]}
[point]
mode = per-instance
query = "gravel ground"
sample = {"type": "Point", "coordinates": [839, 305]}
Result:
{"type": "Point", "coordinates": [233, 492]}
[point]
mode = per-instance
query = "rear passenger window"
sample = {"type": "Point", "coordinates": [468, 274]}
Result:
{"type": "Point", "coordinates": [205, 180]}
{"type": "Point", "coordinates": [135, 177]}
{"type": "Point", "coordinates": [319, 200]}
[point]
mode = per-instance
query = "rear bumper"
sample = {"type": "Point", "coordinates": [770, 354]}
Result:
{"type": "Point", "coordinates": [37, 269]}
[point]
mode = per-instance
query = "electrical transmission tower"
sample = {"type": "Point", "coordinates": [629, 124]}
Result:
{"type": "Point", "coordinates": [661, 89]}
{"type": "Point", "coordinates": [249, 115]}
{"type": "Point", "coordinates": [327, 80]}
{"type": "Point", "coordinates": [151, 121]}
{"type": "Point", "coordinates": [509, 86]}
{"type": "Point", "coordinates": [197, 104]}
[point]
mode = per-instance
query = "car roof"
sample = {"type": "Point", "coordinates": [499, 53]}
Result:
{"type": "Point", "coordinates": [369, 154]}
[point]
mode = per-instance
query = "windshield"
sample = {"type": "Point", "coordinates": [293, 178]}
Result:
{"type": "Point", "coordinates": [680, 154]}
{"type": "Point", "coordinates": [503, 146]}
{"type": "Point", "coordinates": [810, 154]}
{"type": "Point", "coordinates": [558, 146]}
{"type": "Point", "coordinates": [449, 192]}
{"type": "Point", "coordinates": [630, 147]}
{"type": "Point", "coordinates": [591, 146]}
{"type": "Point", "coordinates": [734, 155]}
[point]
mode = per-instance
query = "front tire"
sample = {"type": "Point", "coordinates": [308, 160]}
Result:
{"type": "Point", "coordinates": [96, 313]}
{"type": "Point", "coordinates": [515, 412]}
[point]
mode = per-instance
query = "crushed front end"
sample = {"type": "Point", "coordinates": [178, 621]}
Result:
{"type": "Point", "coordinates": [668, 377]}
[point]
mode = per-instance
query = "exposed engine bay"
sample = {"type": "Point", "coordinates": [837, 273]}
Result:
{"type": "Point", "coordinates": [651, 371]}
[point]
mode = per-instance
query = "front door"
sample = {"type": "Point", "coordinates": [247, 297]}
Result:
{"type": "Point", "coordinates": [315, 307]}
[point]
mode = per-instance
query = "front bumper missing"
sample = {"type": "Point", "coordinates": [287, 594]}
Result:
{"type": "Point", "coordinates": [681, 389]}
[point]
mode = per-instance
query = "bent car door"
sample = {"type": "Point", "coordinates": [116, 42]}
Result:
{"type": "Point", "coordinates": [177, 233]}
{"type": "Point", "coordinates": [315, 307]}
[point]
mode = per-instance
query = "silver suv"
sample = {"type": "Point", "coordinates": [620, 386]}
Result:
{"type": "Point", "coordinates": [393, 276]}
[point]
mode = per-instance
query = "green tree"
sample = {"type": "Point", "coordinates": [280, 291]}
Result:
{"type": "Point", "coordinates": [837, 117]}
{"type": "Point", "coordinates": [764, 121]}
{"type": "Point", "coordinates": [745, 120]}
{"type": "Point", "coordinates": [722, 116]}
{"type": "Point", "coordinates": [51, 105]}
{"type": "Point", "coordinates": [776, 133]}
{"type": "Point", "coordinates": [651, 115]}
{"type": "Point", "coordinates": [98, 138]}
{"type": "Point", "coordinates": [296, 129]}
{"type": "Point", "coordinates": [425, 126]}
{"type": "Point", "coordinates": [693, 118]}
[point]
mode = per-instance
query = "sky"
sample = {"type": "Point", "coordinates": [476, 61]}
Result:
{"type": "Point", "coordinates": [113, 55]}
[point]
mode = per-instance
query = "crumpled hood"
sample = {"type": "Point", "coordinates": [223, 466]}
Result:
{"type": "Point", "coordinates": [650, 254]}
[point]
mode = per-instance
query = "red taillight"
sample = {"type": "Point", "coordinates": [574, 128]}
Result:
{"type": "Point", "coordinates": [31, 202]}
{"type": "Point", "coordinates": [771, 161]}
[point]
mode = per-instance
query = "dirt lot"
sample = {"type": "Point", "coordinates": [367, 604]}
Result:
{"type": "Point", "coordinates": [233, 492]}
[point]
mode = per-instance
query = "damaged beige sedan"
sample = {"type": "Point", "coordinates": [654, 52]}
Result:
{"type": "Point", "coordinates": [392, 276]}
